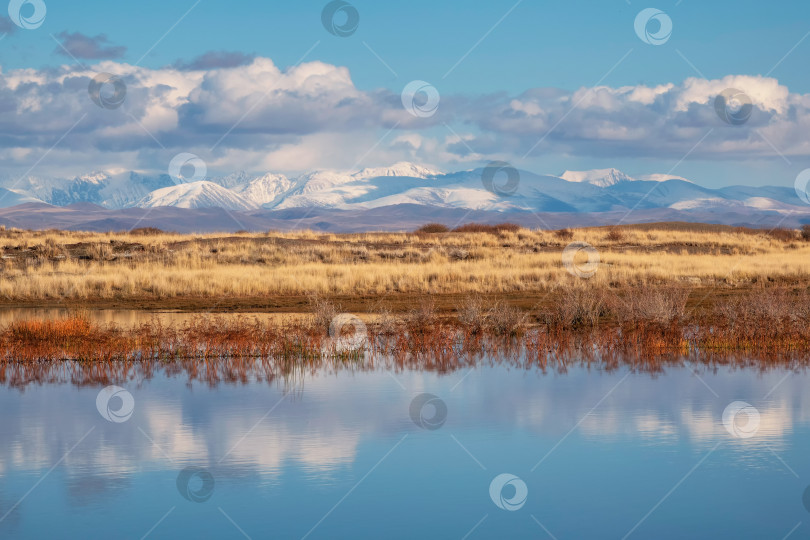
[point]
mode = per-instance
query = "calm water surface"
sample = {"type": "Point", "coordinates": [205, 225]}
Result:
{"type": "Point", "coordinates": [592, 455]}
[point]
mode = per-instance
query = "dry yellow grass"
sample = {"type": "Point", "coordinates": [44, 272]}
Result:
{"type": "Point", "coordinates": [52, 265]}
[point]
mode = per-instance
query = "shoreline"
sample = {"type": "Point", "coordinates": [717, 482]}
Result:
{"type": "Point", "coordinates": [240, 351]}
{"type": "Point", "coordinates": [650, 323]}
{"type": "Point", "coordinates": [447, 303]}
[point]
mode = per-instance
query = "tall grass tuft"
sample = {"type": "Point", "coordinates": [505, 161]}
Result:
{"type": "Point", "coordinates": [432, 228]}
{"type": "Point", "coordinates": [323, 312]}
{"type": "Point", "coordinates": [661, 305]}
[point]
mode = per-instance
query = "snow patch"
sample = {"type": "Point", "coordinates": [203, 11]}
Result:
{"type": "Point", "coordinates": [597, 177]}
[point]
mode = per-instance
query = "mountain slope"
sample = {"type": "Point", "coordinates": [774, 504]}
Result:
{"type": "Point", "coordinates": [202, 194]}
{"type": "Point", "coordinates": [264, 190]}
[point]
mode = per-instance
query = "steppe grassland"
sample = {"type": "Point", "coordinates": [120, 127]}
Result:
{"type": "Point", "coordinates": [60, 264]}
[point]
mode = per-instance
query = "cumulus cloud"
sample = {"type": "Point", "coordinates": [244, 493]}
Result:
{"type": "Point", "coordinates": [78, 45]}
{"type": "Point", "coordinates": [255, 107]}
{"type": "Point", "coordinates": [238, 112]}
{"type": "Point", "coordinates": [664, 121]}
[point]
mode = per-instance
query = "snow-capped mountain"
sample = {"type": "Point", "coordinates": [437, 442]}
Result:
{"type": "Point", "coordinates": [201, 194]}
{"type": "Point", "coordinates": [600, 191]}
{"type": "Point", "coordinates": [104, 189]}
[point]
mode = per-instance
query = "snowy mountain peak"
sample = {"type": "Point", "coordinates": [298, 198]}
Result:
{"type": "Point", "coordinates": [264, 190]}
{"type": "Point", "coordinates": [597, 177]}
{"type": "Point", "coordinates": [96, 177]}
{"type": "Point", "coordinates": [202, 194]}
{"type": "Point", "coordinates": [403, 168]}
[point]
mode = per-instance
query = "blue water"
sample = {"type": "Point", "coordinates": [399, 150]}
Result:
{"type": "Point", "coordinates": [601, 455]}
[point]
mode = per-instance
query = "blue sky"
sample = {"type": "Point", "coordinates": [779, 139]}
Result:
{"type": "Point", "coordinates": [540, 53]}
{"type": "Point", "coordinates": [561, 43]}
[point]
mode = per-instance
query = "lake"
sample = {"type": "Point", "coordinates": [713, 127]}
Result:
{"type": "Point", "coordinates": [488, 452]}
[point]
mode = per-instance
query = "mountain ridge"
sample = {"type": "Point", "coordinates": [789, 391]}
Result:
{"type": "Point", "coordinates": [598, 191]}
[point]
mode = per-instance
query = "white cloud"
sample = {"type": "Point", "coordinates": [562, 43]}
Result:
{"type": "Point", "coordinates": [252, 115]}
{"type": "Point", "coordinates": [664, 121]}
{"type": "Point", "coordinates": [766, 93]}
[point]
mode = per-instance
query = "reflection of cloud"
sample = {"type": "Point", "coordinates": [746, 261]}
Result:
{"type": "Point", "coordinates": [105, 458]}
{"type": "Point", "coordinates": [200, 433]}
{"type": "Point", "coordinates": [267, 448]}
{"type": "Point", "coordinates": [641, 409]}
{"type": "Point", "coordinates": [34, 454]}
{"type": "Point", "coordinates": [330, 452]}
{"type": "Point", "coordinates": [272, 447]}
{"type": "Point", "coordinates": [605, 422]}
{"type": "Point", "coordinates": [701, 425]}
{"type": "Point", "coordinates": [649, 424]}
{"type": "Point", "coordinates": [172, 435]}
{"type": "Point", "coordinates": [775, 422]}
{"type": "Point", "coordinates": [324, 429]}
{"type": "Point", "coordinates": [695, 422]}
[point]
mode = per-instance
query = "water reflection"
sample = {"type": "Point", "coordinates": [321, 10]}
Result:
{"type": "Point", "coordinates": [608, 444]}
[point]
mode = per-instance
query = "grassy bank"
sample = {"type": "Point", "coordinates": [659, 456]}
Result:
{"type": "Point", "coordinates": [280, 271]}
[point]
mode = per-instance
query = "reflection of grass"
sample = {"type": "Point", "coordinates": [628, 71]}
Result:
{"type": "Point", "coordinates": [163, 267]}
{"type": "Point", "coordinates": [647, 331]}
